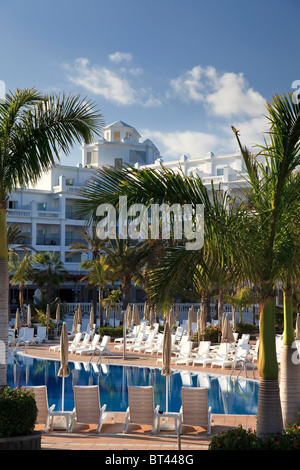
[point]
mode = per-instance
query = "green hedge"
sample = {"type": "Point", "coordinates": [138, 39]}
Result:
{"type": "Point", "coordinates": [18, 412]}
{"type": "Point", "coordinates": [111, 331]}
{"type": "Point", "coordinates": [242, 439]}
{"type": "Point", "coordinates": [245, 328]}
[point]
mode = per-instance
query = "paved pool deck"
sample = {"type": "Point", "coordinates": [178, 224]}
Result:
{"type": "Point", "coordinates": [139, 438]}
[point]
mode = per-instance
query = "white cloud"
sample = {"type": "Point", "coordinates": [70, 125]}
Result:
{"type": "Point", "coordinates": [223, 95]}
{"type": "Point", "coordinates": [101, 81]}
{"type": "Point", "coordinates": [118, 57]}
{"type": "Point", "coordinates": [174, 144]}
{"type": "Point", "coordinates": [112, 84]}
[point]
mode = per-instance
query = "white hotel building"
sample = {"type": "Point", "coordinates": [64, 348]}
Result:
{"type": "Point", "coordinates": [46, 211]}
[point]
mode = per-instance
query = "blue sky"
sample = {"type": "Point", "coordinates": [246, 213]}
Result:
{"type": "Point", "coordinates": [181, 72]}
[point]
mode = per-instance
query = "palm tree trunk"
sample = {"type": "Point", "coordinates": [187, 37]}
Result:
{"type": "Point", "coordinates": [269, 416]}
{"type": "Point", "coordinates": [289, 370]}
{"type": "Point", "coordinates": [3, 297]}
{"type": "Point", "coordinates": [220, 307]}
{"type": "Point", "coordinates": [101, 306]}
{"type": "Point", "coordinates": [126, 286]}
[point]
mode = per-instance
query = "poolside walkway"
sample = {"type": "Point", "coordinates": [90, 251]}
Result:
{"type": "Point", "coordinates": [139, 438]}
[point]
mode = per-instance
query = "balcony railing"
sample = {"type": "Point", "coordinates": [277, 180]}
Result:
{"type": "Point", "coordinates": [18, 213]}
{"type": "Point", "coordinates": [48, 214]}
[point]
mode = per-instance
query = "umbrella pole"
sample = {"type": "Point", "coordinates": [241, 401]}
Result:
{"type": "Point", "coordinates": [63, 394]}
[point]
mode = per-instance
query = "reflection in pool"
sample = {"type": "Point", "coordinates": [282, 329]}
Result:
{"type": "Point", "coordinates": [225, 395]}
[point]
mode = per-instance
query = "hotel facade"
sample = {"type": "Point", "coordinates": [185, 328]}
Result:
{"type": "Point", "coordinates": [45, 211]}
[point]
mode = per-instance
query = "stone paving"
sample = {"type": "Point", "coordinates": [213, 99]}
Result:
{"type": "Point", "coordinates": [139, 438]}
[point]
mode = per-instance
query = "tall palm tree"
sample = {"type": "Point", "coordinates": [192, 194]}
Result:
{"type": "Point", "coordinates": [89, 243]}
{"type": "Point", "coordinates": [48, 271]}
{"type": "Point", "coordinates": [15, 240]}
{"type": "Point", "coordinates": [126, 260]}
{"type": "Point", "coordinates": [34, 130]}
{"type": "Point", "coordinates": [21, 274]}
{"type": "Point", "coordinates": [272, 205]}
{"type": "Point", "coordinates": [100, 275]}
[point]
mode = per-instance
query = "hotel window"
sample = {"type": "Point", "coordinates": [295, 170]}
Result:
{"type": "Point", "coordinates": [220, 171]}
{"type": "Point", "coordinates": [41, 206]}
{"type": "Point", "coordinates": [69, 181]}
{"type": "Point", "coordinates": [117, 136]}
{"type": "Point", "coordinates": [12, 204]}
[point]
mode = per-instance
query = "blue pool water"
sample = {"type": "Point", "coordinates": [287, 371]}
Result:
{"type": "Point", "coordinates": [225, 395]}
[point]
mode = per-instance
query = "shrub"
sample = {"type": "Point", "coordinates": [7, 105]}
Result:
{"type": "Point", "coordinates": [242, 439]}
{"type": "Point", "coordinates": [245, 328]}
{"type": "Point", "coordinates": [211, 333]}
{"type": "Point", "coordinates": [18, 412]}
{"type": "Point", "coordinates": [233, 439]}
{"type": "Point", "coordinates": [111, 331]}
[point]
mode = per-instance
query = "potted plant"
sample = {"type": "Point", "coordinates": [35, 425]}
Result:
{"type": "Point", "coordinates": [18, 414]}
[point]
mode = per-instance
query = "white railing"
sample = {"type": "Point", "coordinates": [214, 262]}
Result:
{"type": "Point", "coordinates": [18, 213]}
{"type": "Point", "coordinates": [48, 214]}
{"type": "Point", "coordinates": [249, 315]}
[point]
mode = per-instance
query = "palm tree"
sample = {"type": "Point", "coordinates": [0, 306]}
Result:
{"type": "Point", "coordinates": [48, 271]}
{"type": "Point", "coordinates": [34, 129]}
{"type": "Point", "coordinates": [15, 240]}
{"type": "Point", "coordinates": [126, 260]}
{"type": "Point", "coordinates": [99, 274]}
{"type": "Point", "coordinates": [21, 273]}
{"type": "Point", "coordinates": [272, 204]}
{"type": "Point", "coordinates": [89, 243]}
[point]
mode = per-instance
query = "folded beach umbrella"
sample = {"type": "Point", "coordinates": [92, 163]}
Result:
{"type": "Point", "coordinates": [75, 321]}
{"type": "Point", "coordinates": [190, 321]}
{"type": "Point", "coordinates": [171, 320]}
{"type": "Point", "coordinates": [57, 314]}
{"type": "Point", "coordinates": [64, 370]}
{"type": "Point", "coordinates": [79, 314]}
{"type": "Point", "coordinates": [17, 320]}
{"type": "Point", "coordinates": [151, 317]}
{"type": "Point", "coordinates": [128, 316]}
{"type": "Point", "coordinates": [177, 312]}
{"type": "Point", "coordinates": [166, 367]}
{"type": "Point", "coordinates": [227, 335]}
{"type": "Point", "coordinates": [29, 316]}
{"type": "Point", "coordinates": [91, 319]}
{"type": "Point", "coordinates": [193, 315]}
{"type": "Point", "coordinates": [135, 316]}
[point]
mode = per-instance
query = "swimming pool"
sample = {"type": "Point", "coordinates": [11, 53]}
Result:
{"type": "Point", "coordinates": [225, 395]}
